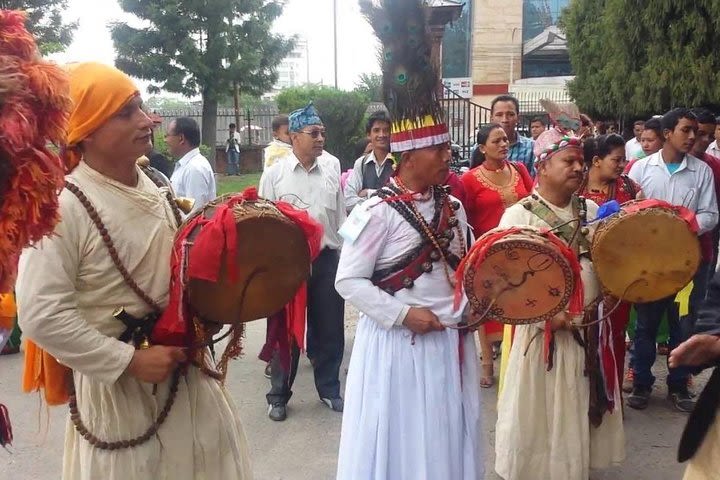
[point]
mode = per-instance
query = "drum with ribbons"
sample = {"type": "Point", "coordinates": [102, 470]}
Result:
{"type": "Point", "coordinates": [647, 251]}
{"type": "Point", "coordinates": [520, 276]}
{"type": "Point", "coordinates": [239, 258]}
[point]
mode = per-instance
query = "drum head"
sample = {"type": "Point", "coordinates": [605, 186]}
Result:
{"type": "Point", "coordinates": [273, 260]}
{"type": "Point", "coordinates": [528, 278]}
{"type": "Point", "coordinates": [645, 256]}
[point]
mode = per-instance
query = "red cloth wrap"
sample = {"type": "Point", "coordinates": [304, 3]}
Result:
{"type": "Point", "coordinates": [682, 212]}
{"type": "Point", "coordinates": [218, 235]}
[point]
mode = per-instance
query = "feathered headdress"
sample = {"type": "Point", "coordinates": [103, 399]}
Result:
{"type": "Point", "coordinates": [410, 78]}
{"type": "Point", "coordinates": [34, 108]}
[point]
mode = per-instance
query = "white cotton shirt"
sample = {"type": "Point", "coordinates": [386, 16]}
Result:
{"type": "Point", "coordinates": [235, 143]}
{"type": "Point", "coordinates": [194, 178]}
{"type": "Point", "coordinates": [691, 186]}
{"type": "Point", "coordinates": [633, 149]}
{"type": "Point", "coordinates": [713, 149]}
{"type": "Point", "coordinates": [354, 183]}
{"type": "Point", "coordinates": [316, 190]}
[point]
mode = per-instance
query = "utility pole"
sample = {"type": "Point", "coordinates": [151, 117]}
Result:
{"type": "Point", "coordinates": [335, 40]}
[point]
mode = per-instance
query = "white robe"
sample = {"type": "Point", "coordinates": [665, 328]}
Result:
{"type": "Point", "coordinates": [412, 412]}
{"type": "Point", "coordinates": [543, 429]}
{"type": "Point", "coordinates": [67, 290]}
{"type": "Point", "coordinates": [705, 465]}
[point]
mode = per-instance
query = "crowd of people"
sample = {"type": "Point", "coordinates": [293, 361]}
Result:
{"type": "Point", "coordinates": [669, 158]}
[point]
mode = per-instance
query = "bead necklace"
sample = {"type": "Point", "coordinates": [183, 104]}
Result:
{"type": "Point", "coordinates": [429, 234]}
{"type": "Point", "coordinates": [494, 170]}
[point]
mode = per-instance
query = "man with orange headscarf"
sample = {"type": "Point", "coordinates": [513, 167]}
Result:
{"type": "Point", "coordinates": [135, 412]}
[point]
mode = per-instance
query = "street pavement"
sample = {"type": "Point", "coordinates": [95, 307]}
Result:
{"type": "Point", "coordinates": [304, 447]}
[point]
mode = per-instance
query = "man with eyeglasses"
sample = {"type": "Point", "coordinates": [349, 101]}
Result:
{"type": "Point", "coordinates": [311, 181]}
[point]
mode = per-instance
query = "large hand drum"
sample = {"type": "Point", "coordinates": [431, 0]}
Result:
{"type": "Point", "coordinates": [645, 252]}
{"type": "Point", "coordinates": [272, 260]}
{"type": "Point", "coordinates": [518, 276]}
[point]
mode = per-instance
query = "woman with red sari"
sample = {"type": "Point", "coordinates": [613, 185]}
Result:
{"type": "Point", "coordinates": [605, 181]}
{"type": "Point", "coordinates": [494, 184]}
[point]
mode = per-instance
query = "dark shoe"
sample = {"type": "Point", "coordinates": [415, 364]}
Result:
{"type": "Point", "coordinates": [277, 412]}
{"type": "Point", "coordinates": [682, 400]}
{"type": "Point", "coordinates": [267, 370]}
{"type": "Point", "coordinates": [639, 398]}
{"type": "Point", "coordinates": [663, 349]}
{"type": "Point", "coordinates": [335, 404]}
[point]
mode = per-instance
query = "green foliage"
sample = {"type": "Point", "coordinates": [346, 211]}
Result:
{"type": "Point", "coordinates": [370, 85]}
{"type": "Point", "coordinates": [342, 113]}
{"type": "Point", "coordinates": [636, 58]}
{"type": "Point", "coordinates": [159, 102]}
{"type": "Point", "coordinates": [202, 47]}
{"type": "Point", "coordinates": [45, 22]}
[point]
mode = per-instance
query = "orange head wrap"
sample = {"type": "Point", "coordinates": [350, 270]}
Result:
{"type": "Point", "coordinates": [98, 92]}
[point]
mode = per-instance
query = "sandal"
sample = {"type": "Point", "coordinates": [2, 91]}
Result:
{"type": "Point", "coordinates": [487, 380]}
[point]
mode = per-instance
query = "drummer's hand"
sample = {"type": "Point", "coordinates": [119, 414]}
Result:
{"type": "Point", "coordinates": [422, 321]}
{"type": "Point", "coordinates": [561, 321]}
{"type": "Point", "coordinates": [696, 351]}
{"type": "Point", "coordinates": [155, 364]}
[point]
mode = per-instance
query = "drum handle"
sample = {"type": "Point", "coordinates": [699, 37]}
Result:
{"type": "Point", "coordinates": [615, 307]}
{"type": "Point", "coordinates": [463, 326]}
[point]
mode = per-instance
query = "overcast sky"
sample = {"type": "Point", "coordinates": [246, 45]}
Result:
{"type": "Point", "coordinates": [312, 19]}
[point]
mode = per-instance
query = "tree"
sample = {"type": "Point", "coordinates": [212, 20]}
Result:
{"type": "Point", "coordinates": [635, 58]}
{"type": "Point", "coordinates": [45, 22]}
{"type": "Point", "coordinates": [370, 85]}
{"type": "Point", "coordinates": [342, 113]}
{"type": "Point", "coordinates": [202, 47]}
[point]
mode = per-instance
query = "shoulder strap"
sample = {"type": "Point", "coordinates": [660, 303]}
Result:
{"type": "Point", "coordinates": [563, 229]}
{"type": "Point", "coordinates": [629, 186]}
{"type": "Point", "coordinates": [95, 217]}
{"type": "Point", "coordinates": [156, 177]}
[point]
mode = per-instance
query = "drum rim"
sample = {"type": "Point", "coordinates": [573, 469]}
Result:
{"type": "Point", "coordinates": [479, 306]}
{"type": "Point", "coordinates": [603, 229]}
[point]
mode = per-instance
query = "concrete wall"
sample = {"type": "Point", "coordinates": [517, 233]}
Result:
{"type": "Point", "coordinates": [497, 46]}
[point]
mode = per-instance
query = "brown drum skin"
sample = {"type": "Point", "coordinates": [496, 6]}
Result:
{"type": "Point", "coordinates": [273, 259]}
{"type": "Point", "coordinates": [652, 247]}
{"type": "Point", "coordinates": [543, 278]}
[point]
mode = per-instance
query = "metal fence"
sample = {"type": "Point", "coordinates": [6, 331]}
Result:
{"type": "Point", "coordinates": [255, 124]}
{"type": "Point", "coordinates": [463, 118]}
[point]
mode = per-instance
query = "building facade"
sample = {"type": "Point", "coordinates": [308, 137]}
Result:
{"type": "Point", "coordinates": [510, 46]}
{"type": "Point", "coordinates": [294, 70]}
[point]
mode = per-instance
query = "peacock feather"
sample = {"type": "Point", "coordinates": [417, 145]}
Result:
{"type": "Point", "coordinates": [410, 79]}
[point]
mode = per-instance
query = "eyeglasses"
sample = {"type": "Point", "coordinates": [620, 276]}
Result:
{"type": "Point", "coordinates": [315, 133]}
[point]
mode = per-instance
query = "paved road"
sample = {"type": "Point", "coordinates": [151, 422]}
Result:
{"type": "Point", "coordinates": [305, 446]}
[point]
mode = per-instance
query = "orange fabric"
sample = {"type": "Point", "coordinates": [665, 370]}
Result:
{"type": "Point", "coordinates": [98, 92]}
{"type": "Point", "coordinates": [8, 310]}
{"type": "Point", "coordinates": [42, 371]}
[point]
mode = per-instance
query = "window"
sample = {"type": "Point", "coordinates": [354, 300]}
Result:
{"type": "Point", "coordinates": [457, 44]}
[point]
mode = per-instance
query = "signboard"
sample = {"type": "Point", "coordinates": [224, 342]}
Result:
{"type": "Point", "coordinates": [462, 86]}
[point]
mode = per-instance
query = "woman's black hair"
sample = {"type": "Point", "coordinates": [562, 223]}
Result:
{"type": "Point", "coordinates": [601, 146]}
{"type": "Point", "coordinates": [482, 137]}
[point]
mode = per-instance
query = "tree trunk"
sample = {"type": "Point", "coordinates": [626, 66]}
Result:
{"type": "Point", "coordinates": [209, 124]}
